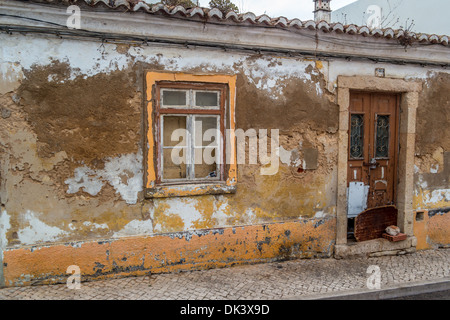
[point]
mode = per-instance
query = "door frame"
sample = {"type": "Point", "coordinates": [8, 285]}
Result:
{"type": "Point", "coordinates": [409, 100]}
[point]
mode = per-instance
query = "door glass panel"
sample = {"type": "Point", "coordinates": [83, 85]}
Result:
{"type": "Point", "coordinates": [357, 136]}
{"type": "Point", "coordinates": [382, 144]}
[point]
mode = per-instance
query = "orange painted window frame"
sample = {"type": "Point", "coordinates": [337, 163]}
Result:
{"type": "Point", "coordinates": [152, 189]}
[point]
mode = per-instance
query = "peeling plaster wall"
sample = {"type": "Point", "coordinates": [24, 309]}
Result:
{"type": "Point", "coordinates": [4, 225]}
{"type": "Point", "coordinates": [72, 141]}
{"type": "Point", "coordinates": [432, 165]}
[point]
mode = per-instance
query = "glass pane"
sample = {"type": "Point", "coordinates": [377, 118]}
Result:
{"type": "Point", "coordinates": [206, 130]}
{"type": "Point", "coordinates": [207, 99]}
{"type": "Point", "coordinates": [357, 136]}
{"type": "Point", "coordinates": [174, 131]}
{"type": "Point", "coordinates": [205, 163]}
{"type": "Point", "coordinates": [174, 163]}
{"type": "Point", "coordinates": [174, 98]}
{"type": "Point", "coordinates": [382, 146]}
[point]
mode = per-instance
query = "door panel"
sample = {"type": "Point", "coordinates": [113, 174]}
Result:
{"type": "Point", "coordinates": [373, 149]}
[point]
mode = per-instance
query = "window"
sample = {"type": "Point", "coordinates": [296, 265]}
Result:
{"type": "Point", "coordinates": [191, 123]}
{"type": "Point", "coordinates": [190, 134]}
{"type": "Point", "coordinates": [357, 136]}
{"type": "Point", "coordinates": [382, 137]}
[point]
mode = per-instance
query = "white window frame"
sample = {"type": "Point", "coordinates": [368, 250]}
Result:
{"type": "Point", "coordinates": [217, 112]}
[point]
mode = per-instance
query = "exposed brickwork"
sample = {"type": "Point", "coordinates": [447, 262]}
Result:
{"type": "Point", "coordinates": [399, 237]}
{"type": "Point", "coordinates": [371, 224]}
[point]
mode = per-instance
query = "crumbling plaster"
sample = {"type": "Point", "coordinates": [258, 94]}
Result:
{"type": "Point", "coordinates": [93, 192]}
{"type": "Point", "coordinates": [65, 173]}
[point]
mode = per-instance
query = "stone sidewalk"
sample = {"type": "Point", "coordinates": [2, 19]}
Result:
{"type": "Point", "coordinates": [271, 281]}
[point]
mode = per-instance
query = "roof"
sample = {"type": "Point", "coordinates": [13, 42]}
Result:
{"type": "Point", "coordinates": [215, 15]}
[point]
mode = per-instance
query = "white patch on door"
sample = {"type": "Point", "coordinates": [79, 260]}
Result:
{"type": "Point", "coordinates": [357, 194]}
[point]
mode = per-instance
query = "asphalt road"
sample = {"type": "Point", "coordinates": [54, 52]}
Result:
{"type": "Point", "coordinates": [441, 295]}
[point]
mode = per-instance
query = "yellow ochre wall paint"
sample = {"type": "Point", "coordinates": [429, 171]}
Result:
{"type": "Point", "coordinates": [431, 229]}
{"type": "Point", "coordinates": [196, 250]}
{"type": "Point", "coordinates": [288, 215]}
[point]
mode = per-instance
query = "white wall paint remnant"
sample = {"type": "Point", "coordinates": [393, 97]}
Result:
{"type": "Point", "coordinates": [83, 57]}
{"type": "Point", "coordinates": [220, 211]}
{"type": "Point", "coordinates": [421, 183]}
{"type": "Point", "coordinates": [38, 231]}
{"type": "Point", "coordinates": [135, 228]}
{"type": "Point", "coordinates": [4, 227]}
{"type": "Point", "coordinates": [416, 169]}
{"type": "Point", "coordinates": [10, 76]}
{"type": "Point", "coordinates": [436, 196]}
{"type": "Point", "coordinates": [92, 226]}
{"type": "Point", "coordinates": [434, 168]}
{"type": "Point", "coordinates": [269, 77]}
{"type": "Point", "coordinates": [250, 216]}
{"type": "Point", "coordinates": [291, 157]}
{"type": "Point", "coordinates": [355, 68]}
{"type": "Point", "coordinates": [185, 208]}
{"type": "Point", "coordinates": [85, 179]}
{"type": "Point", "coordinates": [86, 59]}
{"type": "Point", "coordinates": [124, 173]}
{"type": "Point", "coordinates": [320, 214]}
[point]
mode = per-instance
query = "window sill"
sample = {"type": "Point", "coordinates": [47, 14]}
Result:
{"type": "Point", "coordinates": [187, 190]}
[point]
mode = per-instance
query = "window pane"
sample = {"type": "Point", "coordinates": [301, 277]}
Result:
{"type": "Point", "coordinates": [206, 131]}
{"type": "Point", "coordinates": [207, 99]}
{"type": "Point", "coordinates": [174, 98]}
{"type": "Point", "coordinates": [174, 163]}
{"type": "Point", "coordinates": [174, 128]}
{"type": "Point", "coordinates": [357, 136]}
{"type": "Point", "coordinates": [382, 146]}
{"type": "Point", "coordinates": [206, 163]}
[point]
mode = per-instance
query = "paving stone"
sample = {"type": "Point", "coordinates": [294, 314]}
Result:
{"type": "Point", "coordinates": [258, 282]}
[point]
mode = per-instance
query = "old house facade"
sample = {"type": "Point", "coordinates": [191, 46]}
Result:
{"type": "Point", "coordinates": [306, 124]}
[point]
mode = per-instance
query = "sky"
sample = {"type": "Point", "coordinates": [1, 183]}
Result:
{"type": "Point", "coordinates": [301, 9]}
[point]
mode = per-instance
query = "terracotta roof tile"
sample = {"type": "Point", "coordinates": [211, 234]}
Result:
{"type": "Point", "coordinates": [251, 18]}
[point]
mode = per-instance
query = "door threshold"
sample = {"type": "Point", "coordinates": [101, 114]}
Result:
{"type": "Point", "coordinates": [375, 248]}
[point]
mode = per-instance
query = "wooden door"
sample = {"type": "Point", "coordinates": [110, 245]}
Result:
{"type": "Point", "coordinates": [373, 151]}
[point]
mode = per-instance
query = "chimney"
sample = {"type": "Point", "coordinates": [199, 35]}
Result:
{"type": "Point", "coordinates": [322, 10]}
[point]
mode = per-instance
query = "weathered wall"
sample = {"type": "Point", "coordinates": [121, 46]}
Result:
{"type": "Point", "coordinates": [72, 145]}
{"type": "Point", "coordinates": [72, 140]}
{"type": "Point", "coordinates": [169, 253]}
{"type": "Point", "coordinates": [432, 174]}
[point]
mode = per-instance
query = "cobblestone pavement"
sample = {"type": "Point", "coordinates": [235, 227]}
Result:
{"type": "Point", "coordinates": [269, 281]}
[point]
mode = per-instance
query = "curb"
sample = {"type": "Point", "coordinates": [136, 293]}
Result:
{"type": "Point", "coordinates": [393, 292]}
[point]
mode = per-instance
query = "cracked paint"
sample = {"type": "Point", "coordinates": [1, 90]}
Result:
{"type": "Point", "coordinates": [37, 231]}
{"type": "Point", "coordinates": [74, 127]}
{"type": "Point", "coordinates": [124, 173]}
